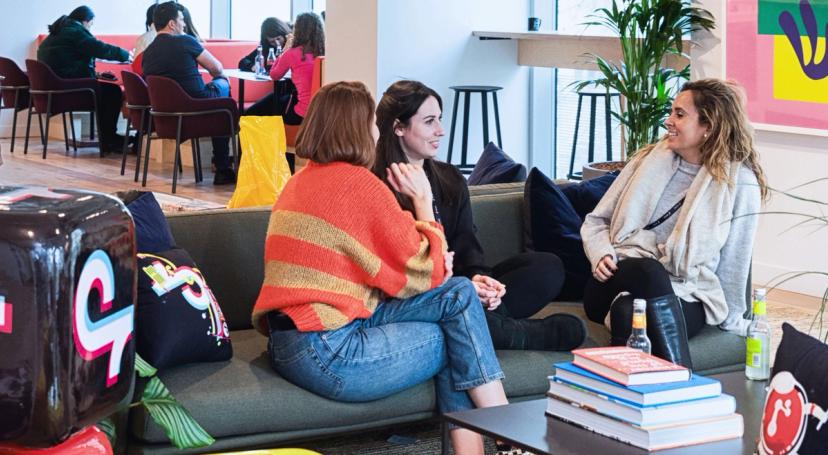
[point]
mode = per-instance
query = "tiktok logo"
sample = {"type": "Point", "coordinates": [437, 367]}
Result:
{"type": "Point", "coordinates": [110, 334]}
{"type": "Point", "coordinates": [5, 316]}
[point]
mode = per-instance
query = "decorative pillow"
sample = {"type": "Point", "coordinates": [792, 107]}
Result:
{"type": "Point", "coordinates": [795, 407]}
{"type": "Point", "coordinates": [178, 319]}
{"type": "Point", "coordinates": [553, 226]}
{"type": "Point", "coordinates": [495, 166]}
{"type": "Point", "coordinates": [152, 233]}
{"type": "Point", "coordinates": [584, 196]}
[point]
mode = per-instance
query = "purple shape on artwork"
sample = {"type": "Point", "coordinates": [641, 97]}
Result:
{"type": "Point", "coordinates": [813, 70]}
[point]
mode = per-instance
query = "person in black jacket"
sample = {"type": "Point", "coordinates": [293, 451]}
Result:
{"type": "Point", "coordinates": [70, 50]}
{"type": "Point", "coordinates": [274, 35]}
{"type": "Point", "coordinates": [409, 121]}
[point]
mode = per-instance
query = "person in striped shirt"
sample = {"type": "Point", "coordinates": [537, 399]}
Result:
{"type": "Point", "coordinates": [358, 299]}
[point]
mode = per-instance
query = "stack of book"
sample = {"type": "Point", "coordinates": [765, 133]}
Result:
{"type": "Point", "coordinates": [641, 400]}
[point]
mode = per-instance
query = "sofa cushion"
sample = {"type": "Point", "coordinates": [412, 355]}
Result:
{"type": "Point", "coordinates": [551, 225]}
{"type": "Point", "coordinates": [152, 232]}
{"type": "Point", "coordinates": [495, 166]}
{"type": "Point", "coordinates": [499, 220]}
{"type": "Point", "coordinates": [584, 196]}
{"type": "Point", "coordinates": [178, 320]}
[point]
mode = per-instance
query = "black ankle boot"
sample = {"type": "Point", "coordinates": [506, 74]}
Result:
{"type": "Point", "coordinates": [559, 332]}
{"type": "Point", "coordinates": [668, 330]}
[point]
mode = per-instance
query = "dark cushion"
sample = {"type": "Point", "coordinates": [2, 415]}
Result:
{"type": "Point", "coordinates": [584, 196]}
{"type": "Point", "coordinates": [152, 233]}
{"type": "Point", "coordinates": [798, 379]}
{"type": "Point", "coordinates": [178, 319]}
{"type": "Point", "coordinates": [495, 166]}
{"type": "Point", "coordinates": [553, 226]}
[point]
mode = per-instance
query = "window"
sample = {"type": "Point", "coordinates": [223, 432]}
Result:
{"type": "Point", "coordinates": [200, 12]}
{"type": "Point", "coordinates": [247, 16]}
{"type": "Point", "coordinates": [569, 20]}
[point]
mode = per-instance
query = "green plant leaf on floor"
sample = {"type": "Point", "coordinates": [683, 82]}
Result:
{"type": "Point", "coordinates": [143, 368]}
{"type": "Point", "coordinates": [178, 424]}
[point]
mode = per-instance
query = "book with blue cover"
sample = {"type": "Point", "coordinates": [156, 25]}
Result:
{"type": "Point", "coordinates": [641, 395]}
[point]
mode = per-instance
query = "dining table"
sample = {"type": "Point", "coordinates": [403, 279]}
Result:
{"type": "Point", "coordinates": [242, 76]}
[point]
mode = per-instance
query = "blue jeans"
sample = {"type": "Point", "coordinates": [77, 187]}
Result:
{"type": "Point", "coordinates": [441, 333]}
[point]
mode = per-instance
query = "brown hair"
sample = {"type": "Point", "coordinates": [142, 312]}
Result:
{"type": "Point", "coordinates": [338, 124]}
{"type": "Point", "coordinates": [309, 34]}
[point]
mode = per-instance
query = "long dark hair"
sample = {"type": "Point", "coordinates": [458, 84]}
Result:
{"type": "Point", "coordinates": [80, 14]}
{"type": "Point", "coordinates": [188, 23]}
{"type": "Point", "coordinates": [273, 27]}
{"type": "Point", "coordinates": [398, 104]}
{"type": "Point", "coordinates": [309, 34]}
{"type": "Point", "coordinates": [150, 12]}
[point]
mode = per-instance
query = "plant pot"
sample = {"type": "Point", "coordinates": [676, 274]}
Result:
{"type": "Point", "coordinates": [599, 168]}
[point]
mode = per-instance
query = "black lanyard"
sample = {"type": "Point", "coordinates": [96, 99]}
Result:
{"type": "Point", "coordinates": [666, 216]}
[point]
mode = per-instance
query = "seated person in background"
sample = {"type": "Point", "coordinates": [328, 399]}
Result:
{"type": "Point", "coordinates": [408, 117]}
{"type": "Point", "coordinates": [305, 44]}
{"type": "Point", "coordinates": [70, 50]}
{"type": "Point", "coordinates": [189, 27]}
{"type": "Point", "coordinates": [675, 228]}
{"type": "Point", "coordinates": [177, 56]}
{"type": "Point", "coordinates": [274, 36]}
{"type": "Point", "coordinates": [364, 286]}
{"type": "Point", "coordinates": [144, 40]}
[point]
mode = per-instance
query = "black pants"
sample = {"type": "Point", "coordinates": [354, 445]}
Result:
{"type": "Point", "coordinates": [532, 281]}
{"type": "Point", "coordinates": [220, 88]}
{"type": "Point", "coordinates": [109, 107]}
{"type": "Point", "coordinates": [273, 105]}
{"type": "Point", "coordinates": [644, 279]}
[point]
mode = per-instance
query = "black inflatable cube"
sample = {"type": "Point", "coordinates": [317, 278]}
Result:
{"type": "Point", "coordinates": [67, 302]}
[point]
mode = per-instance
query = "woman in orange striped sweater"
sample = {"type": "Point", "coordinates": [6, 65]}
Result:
{"type": "Point", "coordinates": [358, 299]}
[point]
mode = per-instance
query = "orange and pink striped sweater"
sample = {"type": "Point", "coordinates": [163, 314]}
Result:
{"type": "Point", "coordinates": [337, 243]}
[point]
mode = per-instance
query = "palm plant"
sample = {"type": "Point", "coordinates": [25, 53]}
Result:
{"type": "Point", "coordinates": [649, 31]}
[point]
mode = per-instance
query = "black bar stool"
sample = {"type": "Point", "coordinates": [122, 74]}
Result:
{"type": "Point", "coordinates": [467, 90]}
{"type": "Point", "coordinates": [593, 101]}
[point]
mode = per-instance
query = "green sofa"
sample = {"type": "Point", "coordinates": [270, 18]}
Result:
{"type": "Point", "coordinates": [243, 403]}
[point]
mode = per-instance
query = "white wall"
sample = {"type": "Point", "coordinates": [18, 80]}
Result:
{"type": "Point", "coordinates": [789, 160]}
{"type": "Point", "coordinates": [381, 41]}
{"type": "Point", "coordinates": [25, 20]}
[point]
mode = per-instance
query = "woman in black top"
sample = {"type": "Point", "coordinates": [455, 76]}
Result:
{"type": "Point", "coordinates": [70, 50]}
{"type": "Point", "coordinates": [409, 122]}
{"type": "Point", "coordinates": [274, 35]}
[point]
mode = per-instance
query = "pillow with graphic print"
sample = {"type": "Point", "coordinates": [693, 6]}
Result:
{"type": "Point", "coordinates": [178, 319]}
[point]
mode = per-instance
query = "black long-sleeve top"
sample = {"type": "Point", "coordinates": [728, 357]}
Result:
{"type": "Point", "coordinates": [455, 215]}
{"type": "Point", "coordinates": [72, 50]}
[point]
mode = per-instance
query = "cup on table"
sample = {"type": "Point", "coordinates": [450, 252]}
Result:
{"type": "Point", "coordinates": [534, 24]}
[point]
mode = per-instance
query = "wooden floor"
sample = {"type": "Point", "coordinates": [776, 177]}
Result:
{"type": "Point", "coordinates": [91, 172]}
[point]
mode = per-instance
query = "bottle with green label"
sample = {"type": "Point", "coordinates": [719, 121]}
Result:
{"type": "Point", "coordinates": [757, 363]}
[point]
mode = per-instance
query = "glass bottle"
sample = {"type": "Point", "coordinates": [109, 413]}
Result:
{"type": "Point", "coordinates": [258, 67]}
{"type": "Point", "coordinates": [638, 337]}
{"type": "Point", "coordinates": [271, 58]}
{"type": "Point", "coordinates": [757, 363]}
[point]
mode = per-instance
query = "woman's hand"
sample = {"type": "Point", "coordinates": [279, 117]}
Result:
{"type": "Point", "coordinates": [605, 269]}
{"type": "Point", "coordinates": [410, 180]}
{"type": "Point", "coordinates": [448, 260]}
{"type": "Point", "coordinates": [489, 290]}
{"type": "Point", "coordinates": [288, 42]}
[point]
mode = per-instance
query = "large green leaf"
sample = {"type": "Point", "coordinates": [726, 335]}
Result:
{"type": "Point", "coordinates": [184, 432]}
{"type": "Point", "coordinates": [143, 369]}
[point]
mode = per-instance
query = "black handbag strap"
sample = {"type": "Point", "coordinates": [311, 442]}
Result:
{"type": "Point", "coordinates": [666, 215]}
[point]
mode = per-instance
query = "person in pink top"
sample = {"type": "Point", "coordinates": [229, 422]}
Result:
{"type": "Point", "coordinates": [301, 49]}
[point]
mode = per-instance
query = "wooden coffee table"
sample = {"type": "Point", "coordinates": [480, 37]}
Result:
{"type": "Point", "coordinates": [526, 425]}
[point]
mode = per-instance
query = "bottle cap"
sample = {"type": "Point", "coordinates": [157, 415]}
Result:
{"type": "Point", "coordinates": [639, 304]}
{"type": "Point", "coordinates": [760, 293]}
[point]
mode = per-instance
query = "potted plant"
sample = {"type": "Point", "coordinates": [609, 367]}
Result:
{"type": "Point", "coordinates": [649, 31]}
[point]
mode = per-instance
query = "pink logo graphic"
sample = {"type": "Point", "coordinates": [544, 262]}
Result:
{"type": "Point", "coordinates": [25, 193]}
{"type": "Point", "coordinates": [786, 416]}
{"type": "Point", "coordinates": [5, 316]}
{"type": "Point", "coordinates": [110, 334]}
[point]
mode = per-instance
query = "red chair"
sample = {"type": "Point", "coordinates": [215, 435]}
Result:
{"type": "Point", "coordinates": [14, 92]}
{"type": "Point", "coordinates": [137, 64]}
{"type": "Point", "coordinates": [316, 83]}
{"type": "Point", "coordinates": [52, 95]}
{"type": "Point", "coordinates": [177, 115]}
{"type": "Point", "coordinates": [137, 110]}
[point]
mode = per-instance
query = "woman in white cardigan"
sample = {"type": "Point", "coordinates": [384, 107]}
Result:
{"type": "Point", "coordinates": [674, 228]}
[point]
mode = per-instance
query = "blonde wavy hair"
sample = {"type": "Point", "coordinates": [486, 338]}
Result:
{"type": "Point", "coordinates": [721, 107]}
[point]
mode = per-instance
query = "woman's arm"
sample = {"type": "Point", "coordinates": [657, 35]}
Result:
{"type": "Point", "coordinates": [98, 49]}
{"type": "Point", "coordinates": [734, 261]}
{"type": "Point", "coordinates": [247, 62]}
{"type": "Point", "coordinates": [285, 62]}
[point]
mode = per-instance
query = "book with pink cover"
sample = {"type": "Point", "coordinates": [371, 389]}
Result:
{"type": "Point", "coordinates": [629, 366]}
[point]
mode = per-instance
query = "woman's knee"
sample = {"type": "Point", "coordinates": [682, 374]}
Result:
{"type": "Point", "coordinates": [461, 293]}
{"type": "Point", "coordinates": [643, 277]}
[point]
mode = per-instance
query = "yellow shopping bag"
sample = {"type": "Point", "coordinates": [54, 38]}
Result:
{"type": "Point", "coordinates": [263, 171]}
